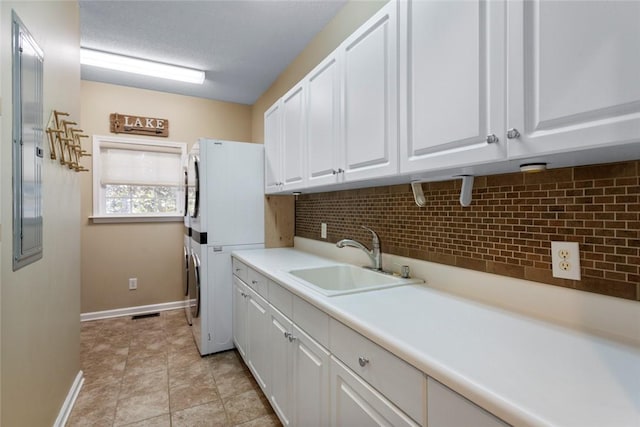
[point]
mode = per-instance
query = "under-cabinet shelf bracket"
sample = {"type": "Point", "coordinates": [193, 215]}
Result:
{"type": "Point", "coordinates": [418, 194]}
{"type": "Point", "coordinates": [465, 191]}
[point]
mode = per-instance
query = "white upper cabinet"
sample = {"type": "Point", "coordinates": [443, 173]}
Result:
{"type": "Point", "coordinates": [452, 83]}
{"type": "Point", "coordinates": [284, 140]}
{"type": "Point", "coordinates": [369, 97]}
{"type": "Point", "coordinates": [293, 138]}
{"type": "Point", "coordinates": [574, 75]}
{"type": "Point", "coordinates": [272, 148]}
{"type": "Point", "coordinates": [445, 85]}
{"type": "Point", "coordinates": [323, 120]}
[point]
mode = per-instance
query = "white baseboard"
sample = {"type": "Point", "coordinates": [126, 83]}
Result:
{"type": "Point", "coordinates": [131, 311]}
{"type": "Point", "coordinates": [67, 406]}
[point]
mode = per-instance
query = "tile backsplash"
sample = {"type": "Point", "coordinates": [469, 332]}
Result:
{"type": "Point", "coordinates": [509, 226]}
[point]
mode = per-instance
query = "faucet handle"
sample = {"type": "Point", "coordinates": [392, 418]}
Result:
{"type": "Point", "coordinates": [376, 239]}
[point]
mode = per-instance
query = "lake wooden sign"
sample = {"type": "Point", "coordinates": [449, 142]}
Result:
{"type": "Point", "coordinates": [138, 125]}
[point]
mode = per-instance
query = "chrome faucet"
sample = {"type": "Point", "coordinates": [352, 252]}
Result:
{"type": "Point", "coordinates": [375, 254]}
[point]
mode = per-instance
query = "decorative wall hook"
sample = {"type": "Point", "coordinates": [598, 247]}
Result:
{"type": "Point", "coordinates": [65, 141]}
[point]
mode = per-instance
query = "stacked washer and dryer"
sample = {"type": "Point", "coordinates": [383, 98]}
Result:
{"type": "Point", "coordinates": [225, 212]}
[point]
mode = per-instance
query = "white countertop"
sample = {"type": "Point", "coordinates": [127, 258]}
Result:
{"type": "Point", "coordinates": [523, 370]}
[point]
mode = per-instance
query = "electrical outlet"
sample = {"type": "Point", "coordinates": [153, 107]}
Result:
{"type": "Point", "coordinates": [323, 230]}
{"type": "Point", "coordinates": [565, 258]}
{"type": "Point", "coordinates": [133, 283]}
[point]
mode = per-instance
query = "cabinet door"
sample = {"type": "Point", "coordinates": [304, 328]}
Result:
{"type": "Point", "coordinates": [451, 83]}
{"type": "Point", "coordinates": [356, 403]}
{"type": "Point", "coordinates": [293, 142]}
{"type": "Point", "coordinates": [573, 72]}
{"type": "Point", "coordinates": [240, 316]}
{"type": "Point", "coordinates": [311, 381]}
{"type": "Point", "coordinates": [323, 109]}
{"type": "Point", "coordinates": [258, 339]}
{"type": "Point", "coordinates": [272, 150]}
{"type": "Point", "coordinates": [369, 97]}
{"type": "Point", "coordinates": [446, 408]}
{"type": "Point", "coordinates": [280, 396]}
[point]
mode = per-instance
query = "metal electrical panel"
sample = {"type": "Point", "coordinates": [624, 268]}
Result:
{"type": "Point", "coordinates": [27, 145]}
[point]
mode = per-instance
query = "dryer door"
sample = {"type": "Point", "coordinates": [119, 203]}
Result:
{"type": "Point", "coordinates": [185, 192]}
{"type": "Point", "coordinates": [185, 270]}
{"type": "Point", "coordinates": [195, 286]}
{"type": "Point", "coordinates": [193, 186]}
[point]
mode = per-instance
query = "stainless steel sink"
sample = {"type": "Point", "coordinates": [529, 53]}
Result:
{"type": "Point", "coordinates": [346, 279]}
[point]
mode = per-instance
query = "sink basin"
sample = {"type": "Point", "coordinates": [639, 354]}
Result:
{"type": "Point", "coordinates": [346, 279]}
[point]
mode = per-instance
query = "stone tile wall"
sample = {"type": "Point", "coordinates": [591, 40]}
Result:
{"type": "Point", "coordinates": [509, 227]}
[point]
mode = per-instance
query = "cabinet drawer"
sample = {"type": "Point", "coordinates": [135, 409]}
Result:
{"type": "Point", "coordinates": [257, 282]}
{"type": "Point", "coordinates": [400, 382]}
{"type": "Point", "coordinates": [240, 270]}
{"type": "Point", "coordinates": [280, 298]}
{"type": "Point", "coordinates": [356, 403]}
{"type": "Point", "coordinates": [313, 321]}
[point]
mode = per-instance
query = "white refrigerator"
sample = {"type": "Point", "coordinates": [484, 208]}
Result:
{"type": "Point", "coordinates": [226, 213]}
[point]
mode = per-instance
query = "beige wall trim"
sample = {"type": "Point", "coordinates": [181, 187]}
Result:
{"type": "Point", "coordinates": [70, 401]}
{"type": "Point", "coordinates": [132, 311]}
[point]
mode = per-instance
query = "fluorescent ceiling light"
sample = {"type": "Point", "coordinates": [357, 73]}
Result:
{"type": "Point", "coordinates": [127, 64]}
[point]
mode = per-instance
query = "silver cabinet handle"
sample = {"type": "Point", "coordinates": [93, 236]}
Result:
{"type": "Point", "coordinates": [238, 269]}
{"type": "Point", "coordinates": [287, 335]}
{"type": "Point", "coordinates": [336, 172]}
{"type": "Point", "coordinates": [292, 338]}
{"type": "Point", "coordinates": [363, 361]}
{"type": "Point", "coordinates": [255, 282]}
{"type": "Point", "coordinates": [513, 133]}
{"type": "Point", "coordinates": [492, 139]}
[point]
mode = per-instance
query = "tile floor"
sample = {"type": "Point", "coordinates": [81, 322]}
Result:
{"type": "Point", "coordinates": [148, 372]}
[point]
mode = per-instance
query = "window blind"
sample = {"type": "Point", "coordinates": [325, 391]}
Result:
{"type": "Point", "coordinates": [140, 164]}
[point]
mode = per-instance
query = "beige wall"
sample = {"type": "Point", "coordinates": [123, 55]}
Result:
{"type": "Point", "coordinates": [279, 210]}
{"type": "Point", "coordinates": [40, 303]}
{"type": "Point", "coordinates": [152, 252]}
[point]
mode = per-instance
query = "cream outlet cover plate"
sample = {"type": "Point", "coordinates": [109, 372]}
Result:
{"type": "Point", "coordinates": [565, 258]}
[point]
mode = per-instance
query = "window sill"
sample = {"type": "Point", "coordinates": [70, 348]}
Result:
{"type": "Point", "coordinates": [112, 219]}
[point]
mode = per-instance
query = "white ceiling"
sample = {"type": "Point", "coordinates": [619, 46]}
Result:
{"type": "Point", "coordinates": [243, 45]}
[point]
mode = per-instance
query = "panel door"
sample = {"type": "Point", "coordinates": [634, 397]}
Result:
{"type": "Point", "coordinates": [573, 72]}
{"type": "Point", "coordinates": [280, 396]}
{"type": "Point", "coordinates": [451, 83]}
{"type": "Point", "coordinates": [272, 148]}
{"type": "Point", "coordinates": [258, 345]}
{"type": "Point", "coordinates": [324, 163]}
{"type": "Point", "coordinates": [240, 316]}
{"type": "Point", "coordinates": [369, 98]}
{"type": "Point", "coordinates": [356, 403]}
{"type": "Point", "coordinates": [293, 138]}
{"type": "Point", "coordinates": [311, 364]}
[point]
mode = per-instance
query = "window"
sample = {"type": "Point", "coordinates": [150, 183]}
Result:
{"type": "Point", "coordinates": [137, 179]}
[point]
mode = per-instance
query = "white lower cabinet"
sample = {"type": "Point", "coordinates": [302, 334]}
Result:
{"type": "Point", "coordinates": [398, 381]}
{"type": "Point", "coordinates": [446, 408]}
{"type": "Point", "coordinates": [310, 381]}
{"type": "Point", "coordinates": [240, 315]}
{"type": "Point", "coordinates": [280, 395]}
{"type": "Point", "coordinates": [356, 403]}
{"type": "Point", "coordinates": [258, 345]}
{"type": "Point", "coordinates": [299, 391]}
{"type": "Point", "coordinates": [316, 371]}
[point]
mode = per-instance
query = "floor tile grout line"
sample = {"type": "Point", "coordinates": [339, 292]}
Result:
{"type": "Point", "coordinates": [163, 325]}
